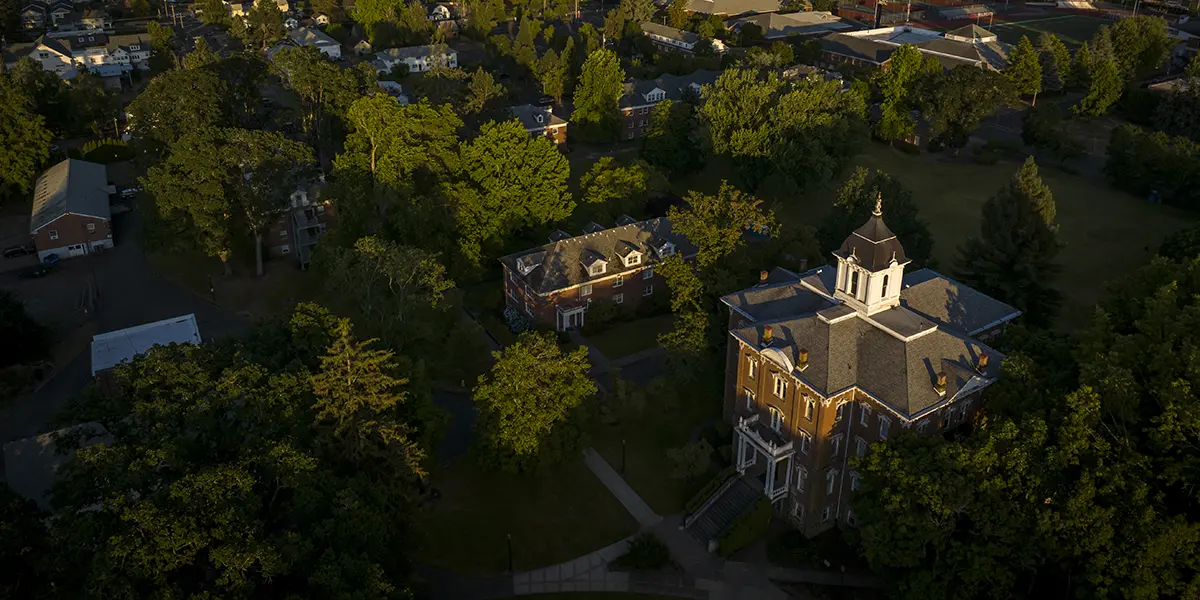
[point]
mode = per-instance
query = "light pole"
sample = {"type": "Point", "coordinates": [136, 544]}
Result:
{"type": "Point", "coordinates": [510, 562]}
{"type": "Point", "coordinates": [622, 457]}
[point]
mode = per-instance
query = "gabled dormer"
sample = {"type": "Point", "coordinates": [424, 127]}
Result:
{"type": "Point", "coordinates": [663, 247]}
{"type": "Point", "coordinates": [526, 264]}
{"type": "Point", "coordinates": [593, 263]}
{"type": "Point", "coordinates": [630, 255]}
{"type": "Point", "coordinates": [655, 95]}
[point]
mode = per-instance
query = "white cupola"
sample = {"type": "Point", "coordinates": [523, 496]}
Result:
{"type": "Point", "coordinates": [870, 265]}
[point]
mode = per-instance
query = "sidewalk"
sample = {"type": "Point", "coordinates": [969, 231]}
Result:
{"type": "Point", "coordinates": [628, 498]}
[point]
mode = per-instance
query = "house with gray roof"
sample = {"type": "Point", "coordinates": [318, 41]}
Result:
{"type": "Point", "coordinates": [540, 121]}
{"type": "Point", "coordinates": [315, 38]}
{"type": "Point", "coordinates": [970, 45]}
{"type": "Point", "coordinates": [677, 40]}
{"type": "Point", "coordinates": [803, 24]}
{"type": "Point", "coordinates": [824, 363]}
{"type": "Point", "coordinates": [642, 95]}
{"type": "Point", "coordinates": [418, 59]}
{"type": "Point", "coordinates": [733, 8]}
{"type": "Point", "coordinates": [31, 465]}
{"type": "Point", "coordinates": [554, 285]}
{"type": "Point", "coordinates": [71, 215]}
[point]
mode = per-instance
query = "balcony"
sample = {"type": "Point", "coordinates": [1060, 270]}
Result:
{"type": "Point", "coordinates": [761, 435]}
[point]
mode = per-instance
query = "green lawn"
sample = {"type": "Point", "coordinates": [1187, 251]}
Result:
{"type": "Point", "coordinates": [485, 302]}
{"type": "Point", "coordinates": [1073, 30]}
{"type": "Point", "coordinates": [623, 339]}
{"type": "Point", "coordinates": [553, 517]}
{"type": "Point", "coordinates": [663, 424]}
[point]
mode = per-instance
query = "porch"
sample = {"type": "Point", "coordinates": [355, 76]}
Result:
{"type": "Point", "coordinates": [569, 315]}
{"type": "Point", "coordinates": [753, 439]}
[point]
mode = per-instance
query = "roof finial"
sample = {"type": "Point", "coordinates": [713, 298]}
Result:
{"type": "Point", "coordinates": [878, 204]}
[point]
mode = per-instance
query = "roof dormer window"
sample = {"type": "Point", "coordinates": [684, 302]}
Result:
{"type": "Point", "coordinates": [634, 258]}
{"type": "Point", "coordinates": [597, 268]}
{"type": "Point", "coordinates": [665, 249]}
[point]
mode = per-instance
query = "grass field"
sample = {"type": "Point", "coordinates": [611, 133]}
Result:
{"type": "Point", "coordinates": [1107, 233]}
{"type": "Point", "coordinates": [553, 516]}
{"type": "Point", "coordinates": [625, 338]}
{"type": "Point", "coordinates": [1072, 29]}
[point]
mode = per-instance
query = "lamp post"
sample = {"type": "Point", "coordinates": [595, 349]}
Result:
{"type": "Point", "coordinates": [510, 562]}
{"type": "Point", "coordinates": [622, 457]}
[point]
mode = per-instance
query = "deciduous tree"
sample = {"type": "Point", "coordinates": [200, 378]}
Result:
{"type": "Point", "coordinates": [907, 69]}
{"type": "Point", "coordinates": [529, 403]}
{"type": "Point", "coordinates": [176, 103]}
{"type": "Point", "coordinates": [853, 206]}
{"type": "Point", "coordinates": [959, 99]}
{"type": "Point", "coordinates": [671, 144]}
{"type": "Point", "coordinates": [24, 137]}
{"type": "Point", "coordinates": [717, 224]}
{"type": "Point", "coordinates": [1013, 258]}
{"type": "Point", "coordinates": [621, 189]}
{"type": "Point", "coordinates": [596, 98]}
{"type": "Point", "coordinates": [1104, 89]}
{"type": "Point", "coordinates": [481, 90]}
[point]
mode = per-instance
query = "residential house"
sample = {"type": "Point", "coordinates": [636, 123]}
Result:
{"type": "Point", "coordinates": [439, 12]}
{"type": "Point", "coordinates": [641, 96]}
{"type": "Point", "coordinates": [541, 121]}
{"type": "Point", "coordinates": [71, 215]}
{"type": "Point", "coordinates": [363, 47]}
{"type": "Point", "coordinates": [969, 45]}
{"type": "Point", "coordinates": [31, 465]}
{"type": "Point", "coordinates": [315, 38]}
{"type": "Point", "coordinates": [733, 8]}
{"type": "Point", "coordinates": [393, 89]}
{"type": "Point", "coordinates": [54, 56]}
{"type": "Point", "coordinates": [295, 232]}
{"type": "Point", "coordinates": [418, 58]}
{"type": "Point", "coordinates": [123, 345]}
{"type": "Point", "coordinates": [291, 23]}
{"type": "Point", "coordinates": [803, 24]}
{"type": "Point", "coordinates": [321, 19]}
{"type": "Point", "coordinates": [824, 363]}
{"type": "Point", "coordinates": [38, 15]}
{"type": "Point", "coordinates": [553, 285]}
{"type": "Point", "coordinates": [669, 38]}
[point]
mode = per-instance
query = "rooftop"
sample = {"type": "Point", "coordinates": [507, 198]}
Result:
{"type": "Point", "coordinates": [671, 33]}
{"type": "Point", "coordinates": [775, 25]}
{"type": "Point", "coordinates": [31, 464]}
{"type": "Point", "coordinates": [70, 187]}
{"type": "Point", "coordinates": [733, 7]}
{"type": "Point", "coordinates": [116, 347]}
{"type": "Point", "coordinates": [411, 52]}
{"type": "Point", "coordinates": [674, 87]}
{"type": "Point", "coordinates": [311, 36]}
{"type": "Point", "coordinates": [536, 117]}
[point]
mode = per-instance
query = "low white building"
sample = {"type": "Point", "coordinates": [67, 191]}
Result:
{"type": "Point", "coordinates": [310, 36]}
{"type": "Point", "coordinates": [676, 39]}
{"type": "Point", "coordinates": [123, 345]}
{"type": "Point", "coordinates": [418, 58]}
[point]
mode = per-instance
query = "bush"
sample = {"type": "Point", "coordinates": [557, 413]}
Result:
{"type": "Point", "coordinates": [1143, 162]}
{"type": "Point", "coordinates": [691, 460]}
{"type": "Point", "coordinates": [709, 489]}
{"type": "Point", "coordinates": [646, 553]}
{"type": "Point", "coordinates": [600, 315]}
{"type": "Point", "coordinates": [749, 527]}
{"type": "Point", "coordinates": [517, 323]}
{"type": "Point", "coordinates": [107, 151]}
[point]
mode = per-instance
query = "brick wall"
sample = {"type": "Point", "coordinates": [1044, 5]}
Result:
{"type": "Point", "coordinates": [69, 230]}
{"type": "Point", "coordinates": [631, 287]}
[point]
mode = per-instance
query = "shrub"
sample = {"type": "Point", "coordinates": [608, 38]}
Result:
{"type": "Point", "coordinates": [691, 460]}
{"type": "Point", "coordinates": [107, 151]}
{"type": "Point", "coordinates": [709, 489]}
{"type": "Point", "coordinates": [600, 315]}
{"type": "Point", "coordinates": [517, 323]}
{"type": "Point", "coordinates": [749, 527]}
{"type": "Point", "coordinates": [646, 553]}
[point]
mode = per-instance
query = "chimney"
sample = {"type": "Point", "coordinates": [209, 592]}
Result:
{"type": "Point", "coordinates": [766, 338]}
{"type": "Point", "coordinates": [803, 357]}
{"type": "Point", "coordinates": [762, 277]}
{"type": "Point", "coordinates": [940, 386]}
{"type": "Point", "coordinates": [981, 366]}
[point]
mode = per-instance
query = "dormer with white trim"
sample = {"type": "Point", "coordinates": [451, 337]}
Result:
{"type": "Point", "coordinates": [593, 263]}
{"type": "Point", "coordinates": [655, 95]}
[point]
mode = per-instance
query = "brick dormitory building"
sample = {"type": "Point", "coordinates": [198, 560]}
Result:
{"type": "Point", "coordinates": [553, 285]}
{"type": "Point", "coordinates": [824, 363]}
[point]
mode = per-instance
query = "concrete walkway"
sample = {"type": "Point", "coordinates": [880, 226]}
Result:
{"type": "Point", "coordinates": [628, 498]}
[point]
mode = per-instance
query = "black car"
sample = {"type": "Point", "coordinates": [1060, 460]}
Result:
{"type": "Point", "coordinates": [15, 251]}
{"type": "Point", "coordinates": [34, 272]}
{"type": "Point", "coordinates": [546, 101]}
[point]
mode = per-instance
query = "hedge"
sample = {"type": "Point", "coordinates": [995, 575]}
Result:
{"type": "Point", "coordinates": [749, 527]}
{"type": "Point", "coordinates": [709, 489]}
{"type": "Point", "coordinates": [107, 151]}
{"type": "Point", "coordinates": [646, 553]}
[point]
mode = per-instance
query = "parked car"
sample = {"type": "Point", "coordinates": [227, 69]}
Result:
{"type": "Point", "coordinates": [15, 251]}
{"type": "Point", "coordinates": [546, 101]}
{"type": "Point", "coordinates": [37, 271]}
{"type": "Point", "coordinates": [51, 260]}
{"type": "Point", "coordinates": [129, 192]}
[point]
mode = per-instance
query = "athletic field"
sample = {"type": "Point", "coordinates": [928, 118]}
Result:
{"type": "Point", "coordinates": [1072, 29]}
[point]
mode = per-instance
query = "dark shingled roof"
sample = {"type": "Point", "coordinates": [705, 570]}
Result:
{"type": "Point", "coordinates": [873, 245]}
{"type": "Point", "coordinates": [949, 302]}
{"type": "Point", "coordinates": [559, 265]}
{"type": "Point", "coordinates": [857, 47]}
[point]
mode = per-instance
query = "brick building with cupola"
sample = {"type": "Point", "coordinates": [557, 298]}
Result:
{"type": "Point", "coordinates": [825, 363]}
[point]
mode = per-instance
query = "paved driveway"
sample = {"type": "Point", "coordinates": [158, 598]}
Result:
{"type": "Point", "coordinates": [128, 294]}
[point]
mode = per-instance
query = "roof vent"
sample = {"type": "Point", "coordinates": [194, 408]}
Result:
{"type": "Point", "coordinates": [940, 386]}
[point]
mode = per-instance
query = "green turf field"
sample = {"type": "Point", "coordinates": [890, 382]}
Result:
{"type": "Point", "coordinates": [1072, 29]}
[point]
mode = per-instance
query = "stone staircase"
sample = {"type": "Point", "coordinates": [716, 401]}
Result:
{"type": "Point", "coordinates": [722, 512]}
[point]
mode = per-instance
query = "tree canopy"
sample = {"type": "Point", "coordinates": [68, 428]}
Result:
{"type": "Point", "coordinates": [854, 204]}
{"type": "Point", "coordinates": [907, 69]}
{"type": "Point", "coordinates": [717, 224]}
{"type": "Point", "coordinates": [960, 99]}
{"type": "Point", "coordinates": [601, 84]}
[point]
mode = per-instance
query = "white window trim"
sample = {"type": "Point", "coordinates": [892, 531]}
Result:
{"type": "Point", "coordinates": [831, 481]}
{"type": "Point", "coordinates": [91, 228]}
{"type": "Point", "coordinates": [836, 442]}
{"type": "Point", "coordinates": [854, 481]}
{"type": "Point", "coordinates": [748, 394]}
{"type": "Point", "coordinates": [864, 417]}
{"type": "Point", "coordinates": [810, 407]}
{"type": "Point", "coordinates": [648, 273]}
{"type": "Point", "coordinates": [54, 234]}
{"type": "Point", "coordinates": [620, 281]}
{"type": "Point", "coordinates": [780, 387]}
{"type": "Point", "coordinates": [825, 514]}
{"type": "Point", "coordinates": [586, 290]}
{"type": "Point", "coordinates": [618, 298]}
{"type": "Point", "coordinates": [885, 425]}
{"type": "Point", "coordinates": [860, 446]}
{"type": "Point", "coordinates": [648, 290]}
{"type": "Point", "coordinates": [801, 479]}
{"type": "Point", "coordinates": [753, 368]}
{"type": "Point", "coordinates": [805, 442]}
{"type": "Point", "coordinates": [633, 259]}
{"type": "Point", "coordinates": [777, 420]}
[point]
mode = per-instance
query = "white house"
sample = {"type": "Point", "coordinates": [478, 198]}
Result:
{"type": "Point", "coordinates": [50, 53]}
{"type": "Point", "coordinates": [676, 39]}
{"type": "Point", "coordinates": [123, 345]}
{"type": "Point", "coordinates": [107, 55]}
{"type": "Point", "coordinates": [310, 36]}
{"type": "Point", "coordinates": [418, 58]}
{"type": "Point", "coordinates": [321, 19]}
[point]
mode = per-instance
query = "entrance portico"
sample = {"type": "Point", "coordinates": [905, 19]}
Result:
{"type": "Point", "coordinates": [753, 438]}
{"type": "Point", "coordinates": [569, 316]}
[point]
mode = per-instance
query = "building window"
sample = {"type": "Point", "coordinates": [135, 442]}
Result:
{"type": "Point", "coordinates": [865, 415]}
{"type": "Point", "coordinates": [884, 424]}
{"type": "Point", "coordinates": [945, 418]}
{"type": "Point", "coordinates": [283, 234]}
{"type": "Point", "coordinates": [780, 386]}
{"type": "Point", "coordinates": [618, 298]}
{"type": "Point", "coordinates": [860, 446]}
{"type": "Point", "coordinates": [801, 478]}
{"type": "Point", "coordinates": [633, 259]}
{"type": "Point", "coordinates": [837, 445]}
{"type": "Point", "coordinates": [922, 426]}
{"type": "Point", "coordinates": [805, 442]}
{"type": "Point", "coordinates": [284, 249]}
{"type": "Point", "coordinates": [809, 407]}
{"type": "Point", "coordinates": [528, 309]}
{"type": "Point", "coordinates": [850, 520]}
{"type": "Point", "coordinates": [54, 234]}
{"type": "Point", "coordinates": [597, 269]}
{"type": "Point", "coordinates": [91, 227]}
{"type": "Point", "coordinates": [749, 395]}
{"type": "Point", "coordinates": [648, 273]}
{"type": "Point", "coordinates": [649, 289]}
{"type": "Point", "coordinates": [586, 290]}
{"type": "Point", "coordinates": [883, 293]}
{"type": "Point", "coordinates": [854, 283]}
{"type": "Point", "coordinates": [854, 481]}
{"type": "Point", "coordinates": [825, 513]}
{"type": "Point", "coordinates": [830, 481]}
{"type": "Point", "coordinates": [776, 419]}
{"type": "Point", "coordinates": [798, 511]}
{"type": "Point", "coordinates": [619, 282]}
{"type": "Point", "coordinates": [841, 411]}
{"type": "Point", "coordinates": [752, 369]}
